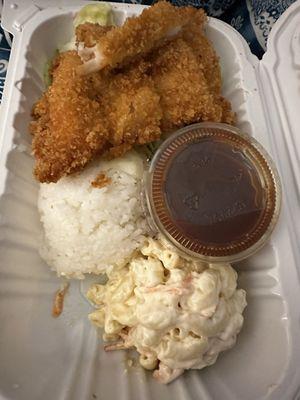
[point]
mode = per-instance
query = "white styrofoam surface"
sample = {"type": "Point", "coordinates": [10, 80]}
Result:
{"type": "Point", "coordinates": [63, 359]}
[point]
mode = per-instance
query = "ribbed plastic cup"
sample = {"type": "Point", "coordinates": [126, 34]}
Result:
{"type": "Point", "coordinates": [213, 192]}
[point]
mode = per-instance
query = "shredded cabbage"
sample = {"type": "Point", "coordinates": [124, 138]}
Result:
{"type": "Point", "coordinates": [96, 14]}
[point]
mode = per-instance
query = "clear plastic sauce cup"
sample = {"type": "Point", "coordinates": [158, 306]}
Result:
{"type": "Point", "coordinates": [213, 192]}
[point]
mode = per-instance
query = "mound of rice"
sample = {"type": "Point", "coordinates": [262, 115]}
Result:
{"type": "Point", "coordinates": [89, 229]}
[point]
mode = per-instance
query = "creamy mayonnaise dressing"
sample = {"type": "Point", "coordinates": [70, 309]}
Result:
{"type": "Point", "coordinates": [178, 313]}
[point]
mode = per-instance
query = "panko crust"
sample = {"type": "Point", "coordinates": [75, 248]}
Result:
{"type": "Point", "coordinates": [108, 112]}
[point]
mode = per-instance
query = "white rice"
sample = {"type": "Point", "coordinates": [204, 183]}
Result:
{"type": "Point", "coordinates": [90, 230]}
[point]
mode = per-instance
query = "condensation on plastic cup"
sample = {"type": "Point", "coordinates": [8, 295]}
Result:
{"type": "Point", "coordinates": [213, 192]}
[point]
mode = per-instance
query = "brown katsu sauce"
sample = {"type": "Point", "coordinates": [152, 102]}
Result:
{"type": "Point", "coordinates": [213, 193]}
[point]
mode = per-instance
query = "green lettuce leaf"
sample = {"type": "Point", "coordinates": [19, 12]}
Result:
{"type": "Point", "coordinates": [100, 13]}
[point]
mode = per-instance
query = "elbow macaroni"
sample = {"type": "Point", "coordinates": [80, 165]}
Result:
{"type": "Point", "coordinates": [176, 312]}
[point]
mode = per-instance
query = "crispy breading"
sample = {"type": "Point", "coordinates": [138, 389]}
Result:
{"type": "Point", "coordinates": [68, 127]}
{"type": "Point", "coordinates": [138, 36]}
{"type": "Point", "coordinates": [90, 34]}
{"type": "Point", "coordinates": [58, 301]}
{"type": "Point", "coordinates": [79, 117]}
{"type": "Point", "coordinates": [110, 111]}
{"type": "Point", "coordinates": [132, 106]}
{"type": "Point", "coordinates": [184, 91]}
{"type": "Point", "coordinates": [101, 181]}
{"type": "Point", "coordinates": [206, 55]}
{"type": "Point", "coordinates": [228, 116]}
{"type": "Point", "coordinates": [209, 62]}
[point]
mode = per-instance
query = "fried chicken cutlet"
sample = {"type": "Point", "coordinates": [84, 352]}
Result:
{"type": "Point", "coordinates": [67, 126]}
{"type": "Point", "coordinates": [112, 110]}
{"type": "Point", "coordinates": [80, 117]}
{"type": "Point", "coordinates": [89, 34]}
{"type": "Point", "coordinates": [131, 106]}
{"type": "Point", "coordinates": [138, 36]}
{"type": "Point", "coordinates": [183, 89]}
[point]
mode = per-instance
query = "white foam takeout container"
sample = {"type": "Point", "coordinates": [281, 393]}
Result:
{"type": "Point", "coordinates": [54, 359]}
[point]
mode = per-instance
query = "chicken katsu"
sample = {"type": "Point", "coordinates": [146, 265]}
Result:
{"type": "Point", "coordinates": [68, 126]}
{"type": "Point", "coordinates": [138, 36]}
{"type": "Point", "coordinates": [142, 92]}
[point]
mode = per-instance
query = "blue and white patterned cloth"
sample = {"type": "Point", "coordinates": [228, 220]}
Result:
{"type": "Point", "coordinates": [252, 18]}
{"type": "Point", "coordinates": [5, 46]}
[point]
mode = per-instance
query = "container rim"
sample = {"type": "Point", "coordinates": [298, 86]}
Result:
{"type": "Point", "coordinates": [159, 226]}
